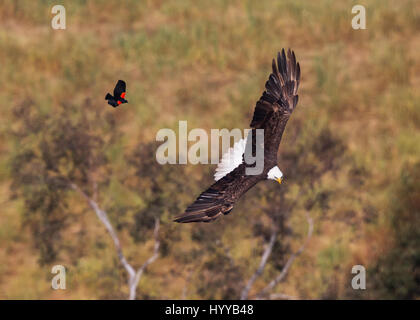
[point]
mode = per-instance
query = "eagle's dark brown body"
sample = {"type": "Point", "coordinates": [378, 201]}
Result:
{"type": "Point", "coordinates": [271, 114]}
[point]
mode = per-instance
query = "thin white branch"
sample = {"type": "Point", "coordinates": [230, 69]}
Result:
{"type": "Point", "coordinates": [185, 289]}
{"type": "Point", "coordinates": [133, 276]}
{"type": "Point", "coordinates": [290, 261]}
{"type": "Point", "coordinates": [152, 259]}
{"type": "Point", "coordinates": [282, 296]}
{"type": "Point", "coordinates": [263, 262]}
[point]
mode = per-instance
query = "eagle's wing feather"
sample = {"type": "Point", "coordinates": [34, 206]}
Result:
{"type": "Point", "coordinates": [219, 198]}
{"type": "Point", "coordinates": [276, 104]}
{"type": "Point", "coordinates": [280, 93]}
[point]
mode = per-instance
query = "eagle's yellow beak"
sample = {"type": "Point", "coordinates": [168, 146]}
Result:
{"type": "Point", "coordinates": [279, 180]}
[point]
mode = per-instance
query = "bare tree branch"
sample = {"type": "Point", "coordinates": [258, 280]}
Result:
{"type": "Point", "coordinates": [139, 273]}
{"type": "Point", "coordinates": [282, 296]}
{"type": "Point", "coordinates": [263, 262]}
{"type": "Point", "coordinates": [290, 261]}
{"type": "Point", "coordinates": [133, 276]}
{"type": "Point", "coordinates": [187, 280]}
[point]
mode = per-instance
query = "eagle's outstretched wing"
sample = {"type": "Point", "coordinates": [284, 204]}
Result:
{"type": "Point", "coordinates": [220, 197]}
{"type": "Point", "coordinates": [281, 90]}
{"type": "Point", "coordinates": [272, 112]}
{"type": "Point", "coordinates": [277, 103]}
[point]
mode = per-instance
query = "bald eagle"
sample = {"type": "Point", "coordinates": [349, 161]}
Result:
{"type": "Point", "coordinates": [272, 112]}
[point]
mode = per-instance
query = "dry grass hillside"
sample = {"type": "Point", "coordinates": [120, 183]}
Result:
{"type": "Point", "coordinates": [350, 152]}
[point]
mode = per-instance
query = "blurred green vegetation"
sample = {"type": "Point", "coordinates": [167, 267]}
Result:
{"type": "Point", "coordinates": [350, 153]}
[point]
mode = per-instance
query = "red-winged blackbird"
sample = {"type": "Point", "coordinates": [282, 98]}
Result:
{"type": "Point", "coordinates": [119, 95]}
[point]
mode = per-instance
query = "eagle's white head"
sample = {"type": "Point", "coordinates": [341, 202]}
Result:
{"type": "Point", "coordinates": [275, 174]}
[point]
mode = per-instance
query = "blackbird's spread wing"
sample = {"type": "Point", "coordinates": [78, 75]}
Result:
{"type": "Point", "coordinates": [113, 103]}
{"type": "Point", "coordinates": [111, 100]}
{"type": "Point", "coordinates": [119, 89]}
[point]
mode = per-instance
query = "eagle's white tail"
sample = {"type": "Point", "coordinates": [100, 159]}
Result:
{"type": "Point", "coordinates": [231, 159]}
